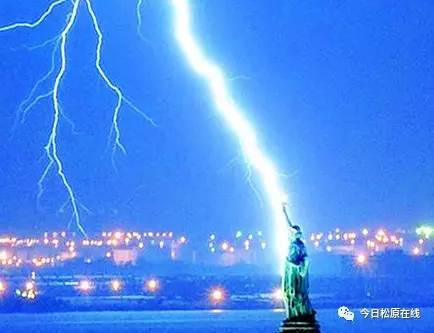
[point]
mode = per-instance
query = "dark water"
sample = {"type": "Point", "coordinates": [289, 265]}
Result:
{"type": "Point", "coordinates": [199, 321]}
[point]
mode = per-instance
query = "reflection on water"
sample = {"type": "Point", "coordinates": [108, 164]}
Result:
{"type": "Point", "coordinates": [263, 321]}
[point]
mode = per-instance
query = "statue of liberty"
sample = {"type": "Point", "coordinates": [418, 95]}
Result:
{"type": "Point", "coordinates": [300, 316]}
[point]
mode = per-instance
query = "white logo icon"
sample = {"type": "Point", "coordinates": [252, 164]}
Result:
{"type": "Point", "coordinates": [344, 312]}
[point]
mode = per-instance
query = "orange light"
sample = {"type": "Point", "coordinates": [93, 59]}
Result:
{"type": "Point", "coordinates": [2, 287]}
{"type": "Point", "coordinates": [3, 255]}
{"type": "Point", "coordinates": [116, 285]}
{"type": "Point", "coordinates": [217, 295]}
{"type": "Point", "coordinates": [85, 285]}
{"type": "Point", "coordinates": [361, 259]}
{"type": "Point", "coordinates": [152, 285]}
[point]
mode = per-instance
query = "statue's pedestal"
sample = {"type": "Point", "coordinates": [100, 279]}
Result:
{"type": "Point", "coordinates": [300, 325]}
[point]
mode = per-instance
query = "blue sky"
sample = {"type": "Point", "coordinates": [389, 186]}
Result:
{"type": "Point", "coordinates": [341, 95]}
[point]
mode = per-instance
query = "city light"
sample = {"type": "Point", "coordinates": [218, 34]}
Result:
{"type": "Point", "coordinates": [2, 287]}
{"type": "Point", "coordinates": [152, 285]}
{"type": "Point", "coordinates": [361, 259]}
{"type": "Point", "coordinates": [29, 285]}
{"type": "Point", "coordinates": [29, 291]}
{"type": "Point", "coordinates": [416, 251]}
{"type": "Point", "coordinates": [3, 255]}
{"type": "Point", "coordinates": [85, 285]}
{"type": "Point", "coordinates": [217, 295]}
{"type": "Point", "coordinates": [116, 285]}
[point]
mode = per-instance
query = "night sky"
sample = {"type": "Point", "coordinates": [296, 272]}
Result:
{"type": "Point", "coordinates": [341, 94]}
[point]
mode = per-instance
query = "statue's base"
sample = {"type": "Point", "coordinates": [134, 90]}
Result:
{"type": "Point", "coordinates": [300, 325]}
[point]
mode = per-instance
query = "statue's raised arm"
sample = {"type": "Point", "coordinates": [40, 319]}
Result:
{"type": "Point", "coordinates": [286, 214]}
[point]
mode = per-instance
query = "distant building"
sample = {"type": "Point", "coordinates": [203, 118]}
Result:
{"type": "Point", "coordinates": [125, 256]}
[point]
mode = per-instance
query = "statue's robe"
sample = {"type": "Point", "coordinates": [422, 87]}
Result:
{"type": "Point", "coordinates": [295, 284]}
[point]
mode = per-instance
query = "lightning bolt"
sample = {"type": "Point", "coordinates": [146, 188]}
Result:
{"type": "Point", "coordinates": [37, 22]}
{"type": "Point", "coordinates": [31, 100]}
{"type": "Point", "coordinates": [51, 147]}
{"type": "Point", "coordinates": [139, 20]}
{"type": "Point", "coordinates": [120, 96]}
{"type": "Point", "coordinates": [234, 118]}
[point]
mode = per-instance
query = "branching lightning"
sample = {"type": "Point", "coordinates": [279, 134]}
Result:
{"type": "Point", "coordinates": [116, 89]}
{"type": "Point", "coordinates": [51, 147]}
{"type": "Point", "coordinates": [234, 118]}
{"type": "Point", "coordinates": [37, 22]}
{"type": "Point", "coordinates": [31, 100]}
{"type": "Point", "coordinates": [139, 20]}
{"type": "Point", "coordinates": [112, 86]}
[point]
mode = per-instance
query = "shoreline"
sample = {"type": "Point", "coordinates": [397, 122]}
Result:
{"type": "Point", "coordinates": [144, 303]}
